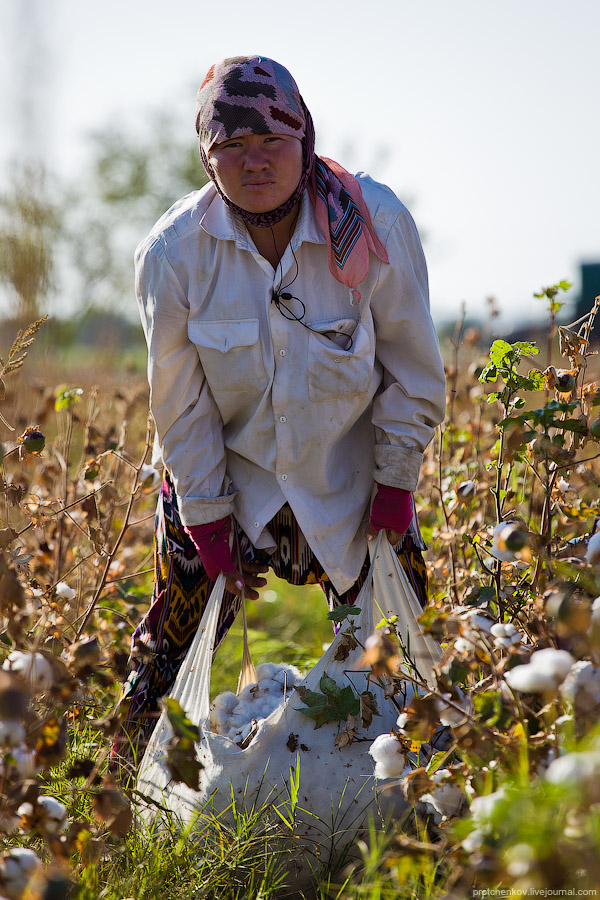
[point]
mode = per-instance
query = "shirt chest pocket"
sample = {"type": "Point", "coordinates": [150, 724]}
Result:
{"type": "Point", "coordinates": [341, 359]}
{"type": "Point", "coordinates": [230, 354]}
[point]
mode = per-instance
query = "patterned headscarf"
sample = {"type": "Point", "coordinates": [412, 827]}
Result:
{"type": "Point", "coordinates": [255, 95]}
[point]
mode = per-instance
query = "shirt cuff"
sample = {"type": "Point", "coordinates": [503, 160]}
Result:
{"type": "Point", "coordinates": [202, 510]}
{"type": "Point", "coordinates": [398, 467]}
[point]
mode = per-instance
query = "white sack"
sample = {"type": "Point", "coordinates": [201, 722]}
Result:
{"type": "Point", "coordinates": [337, 786]}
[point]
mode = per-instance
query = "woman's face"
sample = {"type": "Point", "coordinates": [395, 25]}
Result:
{"type": "Point", "coordinates": [257, 172]}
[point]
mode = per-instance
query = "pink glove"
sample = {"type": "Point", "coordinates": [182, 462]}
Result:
{"type": "Point", "coordinates": [212, 543]}
{"type": "Point", "coordinates": [392, 508]}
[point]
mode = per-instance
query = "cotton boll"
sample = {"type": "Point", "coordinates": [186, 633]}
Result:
{"type": "Point", "coordinates": [11, 734]}
{"type": "Point", "coordinates": [55, 813]}
{"type": "Point", "coordinates": [47, 814]}
{"type": "Point", "coordinates": [483, 808]}
{"type": "Point", "coordinates": [449, 714]}
{"type": "Point", "coordinates": [472, 626]}
{"type": "Point", "coordinates": [555, 662]}
{"type": "Point", "coordinates": [24, 760]}
{"type": "Point", "coordinates": [64, 592]}
{"type": "Point", "coordinates": [592, 555]}
{"type": "Point", "coordinates": [476, 621]}
{"type": "Point", "coordinates": [232, 715]}
{"type": "Point", "coordinates": [466, 490]}
{"type": "Point", "coordinates": [581, 687]}
{"type": "Point", "coordinates": [574, 768]}
{"type": "Point", "coordinates": [527, 679]}
{"type": "Point", "coordinates": [32, 666]}
{"type": "Point", "coordinates": [247, 693]}
{"type": "Point", "coordinates": [473, 841]}
{"type": "Point", "coordinates": [18, 868]}
{"type": "Point", "coordinates": [498, 549]}
{"type": "Point", "coordinates": [505, 636]}
{"type": "Point", "coordinates": [226, 702]}
{"type": "Point", "coordinates": [270, 686]}
{"type": "Point", "coordinates": [266, 670]}
{"type": "Point", "coordinates": [446, 799]}
{"type": "Point", "coordinates": [389, 757]}
{"type": "Point", "coordinates": [289, 674]}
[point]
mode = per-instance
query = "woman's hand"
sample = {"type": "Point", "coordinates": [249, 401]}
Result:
{"type": "Point", "coordinates": [212, 543]}
{"type": "Point", "coordinates": [251, 580]}
{"type": "Point", "coordinates": [393, 536]}
{"type": "Point", "coordinates": [392, 509]}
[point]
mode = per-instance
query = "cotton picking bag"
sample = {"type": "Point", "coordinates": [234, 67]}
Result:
{"type": "Point", "coordinates": [336, 785]}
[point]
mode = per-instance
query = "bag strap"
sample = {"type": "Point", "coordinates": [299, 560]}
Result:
{"type": "Point", "coordinates": [247, 672]}
{"type": "Point", "coordinates": [394, 595]}
{"type": "Point", "coordinates": [192, 685]}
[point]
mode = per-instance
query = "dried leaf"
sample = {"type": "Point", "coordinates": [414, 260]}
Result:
{"type": "Point", "coordinates": [292, 743]}
{"type": "Point", "coordinates": [183, 764]}
{"type": "Point", "coordinates": [368, 708]}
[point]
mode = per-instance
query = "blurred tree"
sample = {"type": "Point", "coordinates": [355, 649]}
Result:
{"type": "Point", "coordinates": [29, 229]}
{"type": "Point", "coordinates": [133, 179]}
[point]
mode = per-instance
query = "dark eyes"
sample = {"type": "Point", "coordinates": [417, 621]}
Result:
{"type": "Point", "coordinates": [269, 139]}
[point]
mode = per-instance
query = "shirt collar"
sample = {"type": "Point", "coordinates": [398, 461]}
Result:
{"type": "Point", "coordinates": [222, 224]}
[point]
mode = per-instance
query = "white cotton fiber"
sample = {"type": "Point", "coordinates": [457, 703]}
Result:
{"type": "Point", "coordinates": [232, 715]}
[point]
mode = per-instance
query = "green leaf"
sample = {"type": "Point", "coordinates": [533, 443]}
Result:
{"type": "Point", "coordinates": [435, 762]}
{"type": "Point", "coordinates": [328, 685]}
{"type": "Point", "coordinates": [342, 612]}
{"type": "Point", "coordinates": [537, 378]}
{"type": "Point", "coordinates": [501, 353]}
{"type": "Point", "coordinates": [181, 725]}
{"type": "Point", "coordinates": [333, 705]}
{"type": "Point", "coordinates": [576, 425]}
{"type": "Point", "coordinates": [526, 348]}
{"type": "Point", "coordinates": [489, 374]}
{"type": "Point", "coordinates": [488, 707]}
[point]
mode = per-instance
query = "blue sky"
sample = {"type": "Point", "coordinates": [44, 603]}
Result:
{"type": "Point", "coordinates": [481, 114]}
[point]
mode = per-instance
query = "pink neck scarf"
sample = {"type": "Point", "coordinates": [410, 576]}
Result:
{"type": "Point", "coordinates": [255, 95]}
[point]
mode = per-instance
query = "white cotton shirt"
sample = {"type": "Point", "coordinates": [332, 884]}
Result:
{"type": "Point", "coordinates": [253, 409]}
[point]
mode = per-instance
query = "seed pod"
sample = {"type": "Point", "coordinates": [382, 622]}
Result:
{"type": "Point", "coordinates": [565, 383]}
{"type": "Point", "coordinates": [33, 440]}
{"type": "Point", "coordinates": [594, 429]}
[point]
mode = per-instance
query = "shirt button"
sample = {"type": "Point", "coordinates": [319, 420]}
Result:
{"type": "Point", "coordinates": [282, 352]}
{"type": "Point", "coordinates": [283, 418]}
{"type": "Point", "coordinates": [284, 477]}
{"type": "Point", "coordinates": [257, 524]}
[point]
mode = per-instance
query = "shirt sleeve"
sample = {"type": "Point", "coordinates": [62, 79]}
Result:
{"type": "Point", "coordinates": [412, 398]}
{"type": "Point", "coordinates": [188, 423]}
